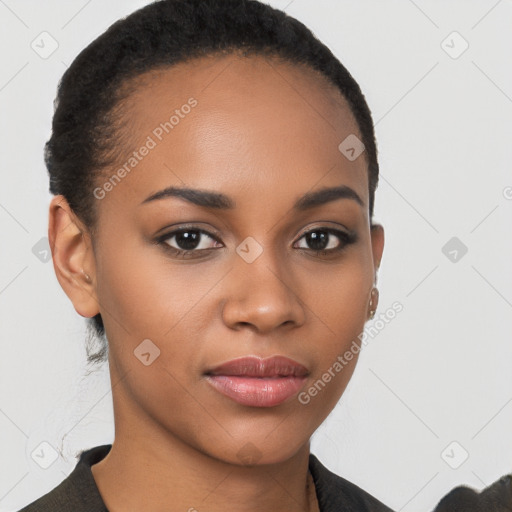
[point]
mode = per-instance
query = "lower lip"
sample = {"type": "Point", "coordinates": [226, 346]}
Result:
{"type": "Point", "coordinates": [256, 392]}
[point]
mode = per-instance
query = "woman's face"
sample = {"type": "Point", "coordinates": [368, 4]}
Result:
{"type": "Point", "coordinates": [265, 274]}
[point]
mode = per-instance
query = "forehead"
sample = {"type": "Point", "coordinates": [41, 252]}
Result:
{"type": "Point", "coordinates": [242, 82]}
{"type": "Point", "coordinates": [257, 125]}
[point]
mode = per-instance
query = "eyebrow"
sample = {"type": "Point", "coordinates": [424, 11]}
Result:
{"type": "Point", "coordinates": [219, 201]}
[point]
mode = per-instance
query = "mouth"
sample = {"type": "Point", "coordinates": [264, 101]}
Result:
{"type": "Point", "coordinates": [257, 382]}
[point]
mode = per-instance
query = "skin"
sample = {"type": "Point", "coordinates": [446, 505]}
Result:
{"type": "Point", "coordinates": [264, 133]}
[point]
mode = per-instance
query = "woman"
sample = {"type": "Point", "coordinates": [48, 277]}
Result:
{"type": "Point", "coordinates": [214, 169]}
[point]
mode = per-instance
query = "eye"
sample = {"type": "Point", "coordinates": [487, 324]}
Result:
{"type": "Point", "coordinates": [326, 240]}
{"type": "Point", "coordinates": [188, 240]}
{"type": "Point", "coordinates": [192, 242]}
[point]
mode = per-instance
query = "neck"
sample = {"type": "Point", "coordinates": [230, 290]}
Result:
{"type": "Point", "coordinates": [150, 469]}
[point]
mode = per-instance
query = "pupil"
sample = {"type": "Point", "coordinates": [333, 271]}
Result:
{"type": "Point", "coordinates": [317, 240]}
{"type": "Point", "coordinates": [187, 240]}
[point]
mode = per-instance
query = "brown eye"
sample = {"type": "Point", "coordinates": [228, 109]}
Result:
{"type": "Point", "coordinates": [326, 239]}
{"type": "Point", "coordinates": [189, 240]}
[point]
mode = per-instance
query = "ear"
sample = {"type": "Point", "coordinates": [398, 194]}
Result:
{"type": "Point", "coordinates": [377, 237]}
{"type": "Point", "coordinates": [73, 257]}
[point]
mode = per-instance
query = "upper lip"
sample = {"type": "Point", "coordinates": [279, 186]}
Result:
{"type": "Point", "coordinates": [253, 366]}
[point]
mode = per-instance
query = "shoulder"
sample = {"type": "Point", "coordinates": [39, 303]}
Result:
{"type": "Point", "coordinates": [334, 493]}
{"type": "Point", "coordinates": [496, 498]}
{"type": "Point", "coordinates": [78, 491]}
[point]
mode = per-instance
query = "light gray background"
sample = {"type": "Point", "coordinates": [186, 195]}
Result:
{"type": "Point", "coordinates": [439, 372]}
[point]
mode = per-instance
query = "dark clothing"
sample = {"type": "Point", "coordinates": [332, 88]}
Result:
{"type": "Point", "coordinates": [495, 498]}
{"type": "Point", "coordinates": [79, 493]}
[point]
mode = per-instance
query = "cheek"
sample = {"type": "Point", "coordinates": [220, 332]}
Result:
{"type": "Point", "coordinates": [337, 300]}
{"type": "Point", "coordinates": [152, 311]}
{"type": "Point", "coordinates": [143, 293]}
{"type": "Point", "coordinates": [342, 315]}
{"type": "Point", "coordinates": [144, 297]}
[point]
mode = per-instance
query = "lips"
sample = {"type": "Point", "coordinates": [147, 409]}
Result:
{"type": "Point", "coordinates": [276, 366]}
{"type": "Point", "coordinates": [257, 382]}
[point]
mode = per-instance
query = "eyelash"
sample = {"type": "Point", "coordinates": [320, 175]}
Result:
{"type": "Point", "coordinates": [346, 238]}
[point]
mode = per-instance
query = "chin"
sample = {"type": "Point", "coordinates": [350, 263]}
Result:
{"type": "Point", "coordinates": [257, 451]}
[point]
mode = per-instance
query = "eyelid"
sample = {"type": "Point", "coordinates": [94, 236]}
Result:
{"type": "Point", "coordinates": [216, 234]}
{"type": "Point", "coordinates": [183, 228]}
{"type": "Point", "coordinates": [168, 231]}
{"type": "Point", "coordinates": [344, 237]}
{"type": "Point", "coordinates": [326, 226]}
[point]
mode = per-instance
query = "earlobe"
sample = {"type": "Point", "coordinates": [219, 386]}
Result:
{"type": "Point", "coordinates": [73, 257]}
{"type": "Point", "coordinates": [374, 302]}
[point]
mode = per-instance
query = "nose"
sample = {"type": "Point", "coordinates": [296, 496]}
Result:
{"type": "Point", "coordinates": [262, 296]}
